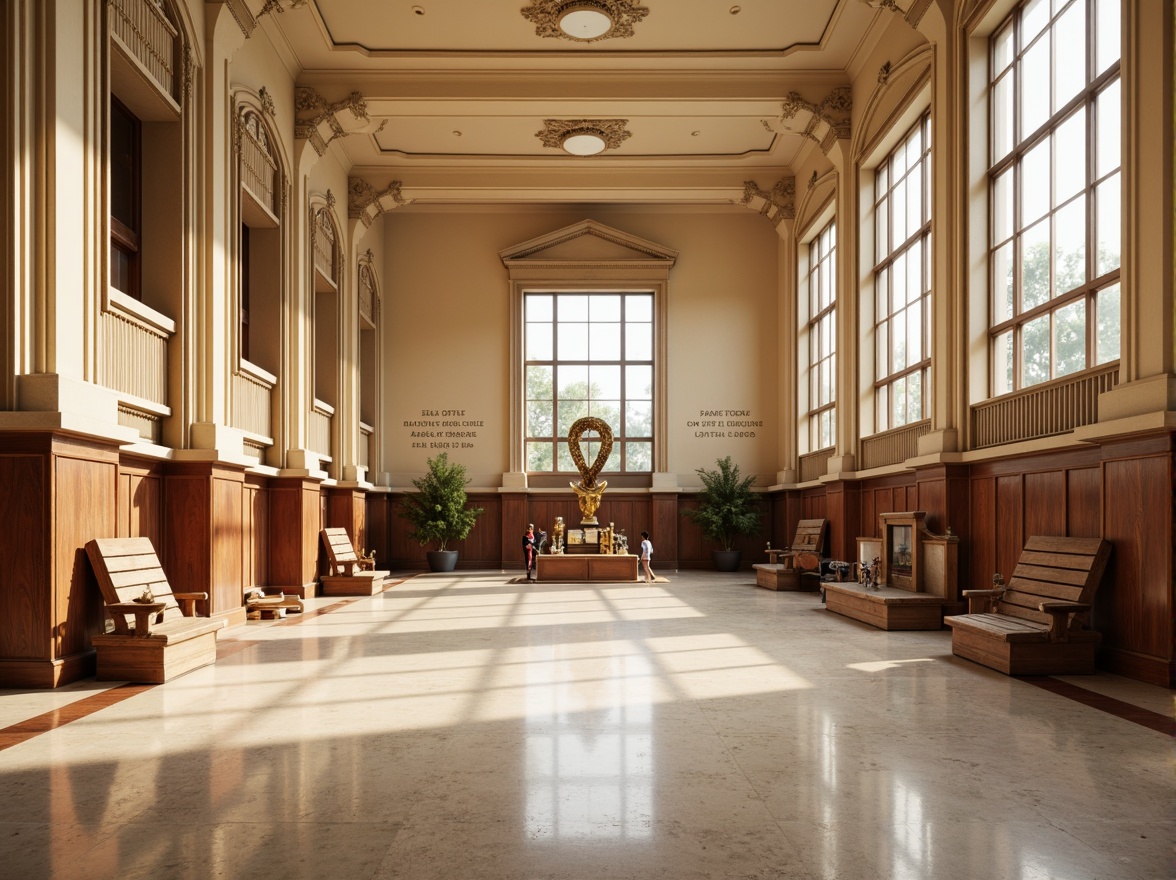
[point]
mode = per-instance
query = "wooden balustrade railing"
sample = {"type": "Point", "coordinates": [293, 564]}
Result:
{"type": "Point", "coordinates": [258, 169]}
{"type": "Point", "coordinates": [324, 246]}
{"type": "Point", "coordinates": [146, 33]}
{"type": "Point", "coordinates": [814, 465]}
{"type": "Point", "coordinates": [253, 404]}
{"type": "Point", "coordinates": [892, 447]}
{"type": "Point", "coordinates": [134, 358]}
{"type": "Point", "coordinates": [1044, 410]}
{"type": "Point", "coordinates": [319, 429]}
{"type": "Point", "coordinates": [366, 433]}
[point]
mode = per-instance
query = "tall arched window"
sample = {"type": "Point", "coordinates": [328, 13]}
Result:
{"type": "Point", "coordinates": [1054, 188]}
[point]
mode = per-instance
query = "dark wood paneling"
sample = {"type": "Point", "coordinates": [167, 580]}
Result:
{"type": "Point", "coordinates": [24, 562]}
{"type": "Point", "coordinates": [227, 590]}
{"type": "Point", "coordinates": [1009, 526]}
{"type": "Point", "coordinates": [377, 526]}
{"type": "Point", "coordinates": [981, 537]}
{"type": "Point", "coordinates": [1083, 502]}
{"type": "Point", "coordinates": [84, 509]}
{"type": "Point", "coordinates": [1134, 609]}
{"type": "Point", "coordinates": [255, 533]}
{"type": "Point", "coordinates": [1045, 503]}
{"type": "Point", "coordinates": [665, 532]}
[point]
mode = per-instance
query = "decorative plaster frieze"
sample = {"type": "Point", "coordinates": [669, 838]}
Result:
{"type": "Point", "coordinates": [239, 9]}
{"type": "Point", "coordinates": [544, 14]}
{"type": "Point", "coordinates": [611, 131]}
{"type": "Point", "coordinates": [320, 121]}
{"type": "Point", "coordinates": [267, 102]}
{"type": "Point", "coordinates": [777, 204]}
{"type": "Point", "coordinates": [828, 120]}
{"type": "Point", "coordinates": [280, 6]}
{"type": "Point", "coordinates": [365, 203]}
{"type": "Point", "coordinates": [189, 79]}
{"type": "Point", "coordinates": [911, 10]}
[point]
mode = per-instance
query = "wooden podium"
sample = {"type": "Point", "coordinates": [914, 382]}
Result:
{"type": "Point", "coordinates": [596, 568]}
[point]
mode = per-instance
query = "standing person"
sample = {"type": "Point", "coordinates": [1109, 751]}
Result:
{"type": "Point", "coordinates": [646, 555]}
{"type": "Point", "coordinates": [529, 551]}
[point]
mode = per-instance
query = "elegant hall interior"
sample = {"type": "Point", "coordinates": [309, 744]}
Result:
{"type": "Point", "coordinates": [908, 264]}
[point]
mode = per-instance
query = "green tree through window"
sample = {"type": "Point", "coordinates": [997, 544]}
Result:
{"type": "Point", "coordinates": [589, 354]}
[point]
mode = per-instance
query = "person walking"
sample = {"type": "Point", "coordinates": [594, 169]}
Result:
{"type": "Point", "coordinates": [646, 555]}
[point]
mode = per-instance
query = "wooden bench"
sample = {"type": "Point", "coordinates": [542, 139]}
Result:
{"type": "Point", "coordinates": [155, 640]}
{"type": "Point", "coordinates": [350, 575]}
{"type": "Point", "coordinates": [263, 605]}
{"type": "Point", "coordinates": [916, 583]}
{"type": "Point", "coordinates": [1034, 626]}
{"type": "Point", "coordinates": [802, 559]}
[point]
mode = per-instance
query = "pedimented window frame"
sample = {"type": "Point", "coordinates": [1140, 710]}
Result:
{"type": "Point", "coordinates": [588, 256]}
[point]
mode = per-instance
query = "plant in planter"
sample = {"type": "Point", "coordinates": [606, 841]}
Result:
{"type": "Point", "coordinates": [727, 508]}
{"type": "Point", "coordinates": [438, 511]}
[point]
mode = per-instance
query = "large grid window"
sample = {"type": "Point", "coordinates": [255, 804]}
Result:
{"type": "Point", "coordinates": [589, 354]}
{"type": "Point", "coordinates": [822, 338]}
{"type": "Point", "coordinates": [902, 280]}
{"type": "Point", "coordinates": [1054, 188]}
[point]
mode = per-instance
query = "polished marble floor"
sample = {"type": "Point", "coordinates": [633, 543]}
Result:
{"type": "Point", "coordinates": [465, 727]}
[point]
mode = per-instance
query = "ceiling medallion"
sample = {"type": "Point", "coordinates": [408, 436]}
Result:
{"type": "Point", "coordinates": [584, 21]}
{"type": "Point", "coordinates": [583, 137]}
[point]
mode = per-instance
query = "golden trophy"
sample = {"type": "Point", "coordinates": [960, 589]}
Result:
{"type": "Point", "coordinates": [588, 491]}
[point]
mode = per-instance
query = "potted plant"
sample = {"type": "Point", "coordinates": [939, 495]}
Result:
{"type": "Point", "coordinates": [438, 511]}
{"type": "Point", "coordinates": [727, 508]}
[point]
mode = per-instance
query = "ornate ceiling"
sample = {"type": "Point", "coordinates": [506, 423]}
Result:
{"type": "Point", "coordinates": [460, 93]}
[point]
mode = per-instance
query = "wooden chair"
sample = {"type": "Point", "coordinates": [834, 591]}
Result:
{"type": "Point", "coordinates": [166, 637]}
{"type": "Point", "coordinates": [349, 575]}
{"type": "Point", "coordinates": [803, 559]}
{"type": "Point", "coordinates": [1034, 626]}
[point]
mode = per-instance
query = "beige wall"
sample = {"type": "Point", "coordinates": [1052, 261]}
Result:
{"type": "Point", "coordinates": [446, 331]}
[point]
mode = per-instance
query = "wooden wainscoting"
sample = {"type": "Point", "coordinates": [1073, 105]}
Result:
{"type": "Point", "coordinates": [59, 492]}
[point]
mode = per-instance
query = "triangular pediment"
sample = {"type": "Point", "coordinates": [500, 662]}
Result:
{"type": "Point", "coordinates": [588, 242]}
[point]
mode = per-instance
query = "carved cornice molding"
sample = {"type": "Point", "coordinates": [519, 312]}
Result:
{"type": "Point", "coordinates": [777, 204]}
{"type": "Point", "coordinates": [544, 14]}
{"type": "Point", "coordinates": [365, 203]}
{"type": "Point", "coordinates": [828, 120]}
{"type": "Point", "coordinates": [611, 131]}
{"type": "Point", "coordinates": [239, 9]}
{"type": "Point", "coordinates": [267, 103]}
{"type": "Point", "coordinates": [319, 121]}
{"type": "Point", "coordinates": [911, 10]}
{"type": "Point", "coordinates": [280, 6]}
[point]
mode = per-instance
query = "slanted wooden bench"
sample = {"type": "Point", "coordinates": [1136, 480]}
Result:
{"type": "Point", "coordinates": [785, 568]}
{"type": "Point", "coordinates": [349, 575]}
{"type": "Point", "coordinates": [1034, 626]}
{"type": "Point", "coordinates": [152, 641]}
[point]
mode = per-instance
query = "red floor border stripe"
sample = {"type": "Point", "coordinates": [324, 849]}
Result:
{"type": "Point", "coordinates": [1126, 711]}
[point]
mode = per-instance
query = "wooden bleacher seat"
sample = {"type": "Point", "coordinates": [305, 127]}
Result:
{"type": "Point", "coordinates": [798, 566]}
{"type": "Point", "coordinates": [152, 641]}
{"type": "Point", "coordinates": [1034, 626]}
{"type": "Point", "coordinates": [349, 576]}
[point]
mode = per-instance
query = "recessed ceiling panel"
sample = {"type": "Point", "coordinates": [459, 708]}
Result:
{"type": "Point", "coordinates": [513, 135]}
{"type": "Point", "coordinates": [481, 26]}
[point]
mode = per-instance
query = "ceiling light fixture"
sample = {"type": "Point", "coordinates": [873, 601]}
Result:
{"type": "Point", "coordinates": [583, 142]}
{"type": "Point", "coordinates": [583, 137]}
{"type": "Point", "coordinates": [584, 21]}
